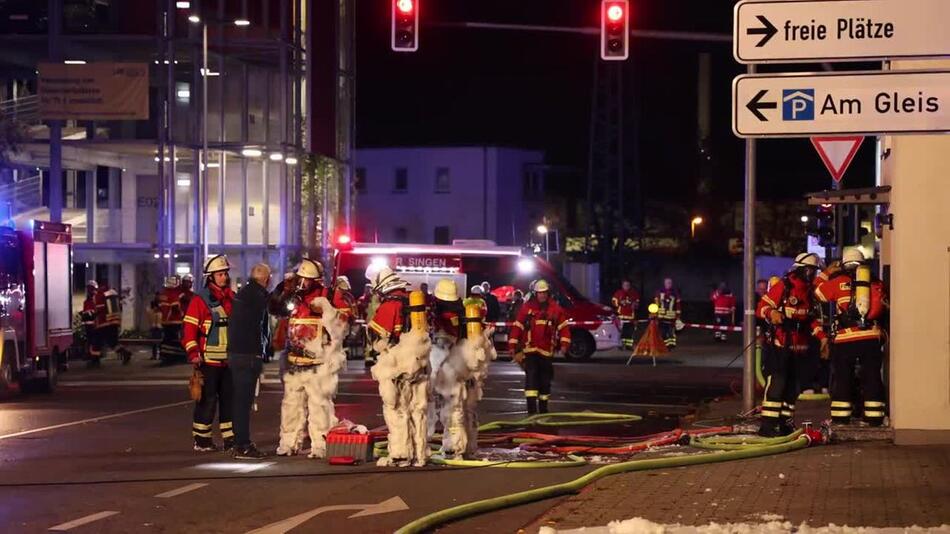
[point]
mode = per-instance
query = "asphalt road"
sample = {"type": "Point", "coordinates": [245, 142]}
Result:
{"type": "Point", "coordinates": [110, 451]}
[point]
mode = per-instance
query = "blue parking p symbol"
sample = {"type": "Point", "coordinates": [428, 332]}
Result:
{"type": "Point", "coordinates": [798, 104]}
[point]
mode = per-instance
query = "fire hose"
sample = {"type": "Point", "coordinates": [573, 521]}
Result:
{"type": "Point", "coordinates": [725, 450]}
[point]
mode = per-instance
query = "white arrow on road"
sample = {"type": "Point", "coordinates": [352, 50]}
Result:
{"type": "Point", "coordinates": [395, 504]}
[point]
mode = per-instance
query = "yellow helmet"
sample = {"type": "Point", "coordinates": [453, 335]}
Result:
{"type": "Point", "coordinates": [447, 290]}
{"type": "Point", "coordinates": [310, 269]}
{"type": "Point", "coordinates": [217, 264]}
{"type": "Point", "coordinates": [774, 280]}
{"type": "Point", "coordinates": [541, 286]}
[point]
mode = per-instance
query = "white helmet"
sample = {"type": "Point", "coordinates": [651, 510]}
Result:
{"type": "Point", "coordinates": [188, 278]}
{"type": "Point", "coordinates": [386, 281]}
{"type": "Point", "coordinates": [852, 255]}
{"type": "Point", "coordinates": [172, 281]}
{"type": "Point", "coordinates": [93, 284]}
{"type": "Point", "coordinates": [343, 282]}
{"type": "Point", "coordinates": [477, 290]}
{"type": "Point", "coordinates": [447, 290]}
{"type": "Point", "coordinates": [806, 259]}
{"type": "Point", "coordinates": [217, 264]}
{"type": "Point", "coordinates": [310, 269]}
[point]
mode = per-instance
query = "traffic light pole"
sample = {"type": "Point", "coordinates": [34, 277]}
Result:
{"type": "Point", "coordinates": [748, 278]}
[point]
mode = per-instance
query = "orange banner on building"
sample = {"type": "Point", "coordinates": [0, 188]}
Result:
{"type": "Point", "coordinates": [94, 91]}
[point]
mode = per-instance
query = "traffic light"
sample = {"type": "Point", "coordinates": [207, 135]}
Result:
{"type": "Point", "coordinates": [405, 34]}
{"type": "Point", "coordinates": [614, 30]}
{"type": "Point", "coordinates": [825, 227]}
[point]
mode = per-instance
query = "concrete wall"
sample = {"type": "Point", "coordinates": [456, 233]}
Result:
{"type": "Point", "coordinates": [918, 168]}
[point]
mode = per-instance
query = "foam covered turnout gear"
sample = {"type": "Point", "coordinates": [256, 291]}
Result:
{"type": "Point", "coordinates": [402, 372]}
{"type": "Point", "coordinates": [309, 389]}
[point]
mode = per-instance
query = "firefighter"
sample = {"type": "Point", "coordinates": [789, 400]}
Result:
{"type": "Point", "coordinates": [724, 310]}
{"type": "Point", "coordinates": [187, 290]}
{"type": "Point", "coordinates": [445, 400]}
{"type": "Point", "coordinates": [539, 330]}
{"type": "Point", "coordinates": [669, 310]}
{"type": "Point", "coordinates": [403, 368]}
{"type": "Point", "coordinates": [315, 331]}
{"type": "Point", "coordinates": [857, 336]}
{"type": "Point", "coordinates": [205, 340]}
{"type": "Point", "coordinates": [170, 306]}
{"type": "Point", "coordinates": [88, 317]}
{"type": "Point", "coordinates": [625, 302]}
{"type": "Point", "coordinates": [789, 310]}
{"type": "Point", "coordinates": [109, 321]}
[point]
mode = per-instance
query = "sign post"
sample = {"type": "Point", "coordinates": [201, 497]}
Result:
{"type": "Point", "coordinates": [839, 30]}
{"type": "Point", "coordinates": [841, 103]}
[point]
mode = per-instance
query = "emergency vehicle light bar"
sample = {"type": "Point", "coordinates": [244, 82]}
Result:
{"type": "Point", "coordinates": [373, 248]}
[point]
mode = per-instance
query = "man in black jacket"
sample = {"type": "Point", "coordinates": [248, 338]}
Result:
{"type": "Point", "coordinates": [247, 329]}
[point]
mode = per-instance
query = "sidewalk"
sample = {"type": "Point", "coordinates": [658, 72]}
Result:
{"type": "Point", "coordinates": [856, 483]}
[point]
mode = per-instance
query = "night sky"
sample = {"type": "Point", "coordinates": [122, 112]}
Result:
{"type": "Point", "coordinates": [533, 90]}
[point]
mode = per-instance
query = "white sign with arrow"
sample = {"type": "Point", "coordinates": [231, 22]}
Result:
{"type": "Point", "coordinates": [834, 103]}
{"type": "Point", "coordinates": [792, 31]}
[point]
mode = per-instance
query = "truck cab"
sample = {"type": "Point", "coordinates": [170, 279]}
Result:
{"type": "Point", "coordinates": [35, 305]}
{"type": "Point", "coordinates": [594, 326]}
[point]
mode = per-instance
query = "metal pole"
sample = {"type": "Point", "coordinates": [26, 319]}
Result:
{"type": "Point", "coordinates": [203, 191]}
{"type": "Point", "coordinates": [547, 246]}
{"type": "Point", "coordinates": [748, 279]}
{"type": "Point", "coordinates": [55, 10]}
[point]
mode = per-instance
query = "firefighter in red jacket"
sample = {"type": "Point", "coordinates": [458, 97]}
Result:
{"type": "Point", "coordinates": [172, 312]}
{"type": "Point", "coordinates": [205, 340]}
{"type": "Point", "coordinates": [311, 379]}
{"type": "Point", "coordinates": [625, 302]}
{"type": "Point", "coordinates": [388, 321]}
{"type": "Point", "coordinates": [724, 310]}
{"type": "Point", "coordinates": [539, 330]}
{"type": "Point", "coordinates": [109, 321]}
{"type": "Point", "coordinates": [88, 317]}
{"type": "Point", "coordinates": [670, 307]}
{"type": "Point", "coordinates": [860, 302]}
{"type": "Point", "coordinates": [789, 310]}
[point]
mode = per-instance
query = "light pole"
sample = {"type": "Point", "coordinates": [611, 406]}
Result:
{"type": "Point", "coordinates": [693, 224]}
{"type": "Point", "coordinates": [543, 230]}
{"type": "Point", "coordinates": [804, 220]}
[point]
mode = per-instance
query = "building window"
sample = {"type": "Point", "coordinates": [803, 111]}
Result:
{"type": "Point", "coordinates": [359, 180]}
{"type": "Point", "coordinates": [401, 182]}
{"type": "Point", "coordinates": [442, 182]}
{"type": "Point", "coordinates": [442, 235]}
{"type": "Point", "coordinates": [532, 184]}
{"type": "Point", "coordinates": [401, 235]}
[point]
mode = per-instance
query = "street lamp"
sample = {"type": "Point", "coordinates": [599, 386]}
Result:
{"type": "Point", "coordinates": [804, 219]}
{"type": "Point", "coordinates": [693, 224]}
{"type": "Point", "coordinates": [543, 230]}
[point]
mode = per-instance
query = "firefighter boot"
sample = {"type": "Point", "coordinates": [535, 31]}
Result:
{"type": "Point", "coordinates": [203, 444]}
{"type": "Point", "coordinates": [532, 405]}
{"type": "Point", "coordinates": [542, 405]}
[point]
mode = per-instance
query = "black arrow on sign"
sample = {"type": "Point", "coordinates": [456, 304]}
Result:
{"type": "Point", "coordinates": [756, 104]}
{"type": "Point", "coordinates": [768, 30]}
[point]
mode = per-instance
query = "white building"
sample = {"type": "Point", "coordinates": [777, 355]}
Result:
{"type": "Point", "coordinates": [438, 194]}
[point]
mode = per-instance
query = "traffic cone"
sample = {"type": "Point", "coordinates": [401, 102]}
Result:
{"type": "Point", "coordinates": [651, 343]}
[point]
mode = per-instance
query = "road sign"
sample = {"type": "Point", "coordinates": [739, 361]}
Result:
{"type": "Point", "coordinates": [837, 153]}
{"type": "Point", "coordinates": [836, 103]}
{"type": "Point", "coordinates": [794, 31]}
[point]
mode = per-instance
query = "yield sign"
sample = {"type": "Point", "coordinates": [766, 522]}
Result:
{"type": "Point", "coordinates": [837, 153]}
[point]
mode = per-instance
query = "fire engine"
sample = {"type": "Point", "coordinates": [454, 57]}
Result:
{"type": "Point", "coordinates": [35, 305]}
{"type": "Point", "coordinates": [595, 327]}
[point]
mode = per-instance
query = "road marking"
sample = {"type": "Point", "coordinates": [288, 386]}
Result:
{"type": "Point", "coordinates": [235, 467]}
{"type": "Point", "coordinates": [179, 491]}
{"type": "Point", "coordinates": [395, 504]}
{"type": "Point", "coordinates": [94, 419]}
{"type": "Point", "coordinates": [82, 521]}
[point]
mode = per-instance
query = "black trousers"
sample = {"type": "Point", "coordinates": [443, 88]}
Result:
{"type": "Point", "coordinates": [217, 395]}
{"type": "Point", "coordinates": [668, 331]}
{"type": "Point", "coordinates": [844, 358]}
{"type": "Point", "coordinates": [538, 373]}
{"type": "Point", "coordinates": [628, 330]}
{"type": "Point", "coordinates": [245, 369]}
{"type": "Point", "coordinates": [171, 341]}
{"type": "Point", "coordinates": [781, 389]}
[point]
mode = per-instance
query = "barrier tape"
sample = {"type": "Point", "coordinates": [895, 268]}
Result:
{"type": "Point", "coordinates": [597, 324]}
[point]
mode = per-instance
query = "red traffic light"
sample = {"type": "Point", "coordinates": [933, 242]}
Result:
{"type": "Point", "coordinates": [615, 12]}
{"type": "Point", "coordinates": [405, 6]}
{"type": "Point", "coordinates": [405, 25]}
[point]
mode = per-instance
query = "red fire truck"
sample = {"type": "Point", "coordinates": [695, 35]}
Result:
{"type": "Point", "coordinates": [35, 305]}
{"type": "Point", "coordinates": [595, 327]}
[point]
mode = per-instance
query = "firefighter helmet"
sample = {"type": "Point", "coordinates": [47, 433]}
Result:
{"type": "Point", "coordinates": [172, 281]}
{"type": "Point", "coordinates": [477, 290]}
{"type": "Point", "coordinates": [310, 269]}
{"type": "Point", "coordinates": [188, 278]}
{"type": "Point", "coordinates": [93, 284]}
{"type": "Point", "coordinates": [217, 264]}
{"type": "Point", "coordinates": [773, 281]}
{"type": "Point", "coordinates": [342, 282]}
{"type": "Point", "coordinates": [447, 290]}
{"type": "Point", "coordinates": [852, 256]}
{"type": "Point", "coordinates": [806, 259]}
{"type": "Point", "coordinates": [386, 281]}
{"type": "Point", "coordinates": [541, 286]}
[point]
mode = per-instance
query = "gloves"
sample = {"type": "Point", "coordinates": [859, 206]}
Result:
{"type": "Point", "coordinates": [776, 317]}
{"type": "Point", "coordinates": [518, 357]}
{"type": "Point", "coordinates": [825, 350]}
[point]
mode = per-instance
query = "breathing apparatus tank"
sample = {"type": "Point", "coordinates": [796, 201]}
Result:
{"type": "Point", "coordinates": [417, 312]}
{"type": "Point", "coordinates": [473, 322]}
{"type": "Point", "coordinates": [862, 291]}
